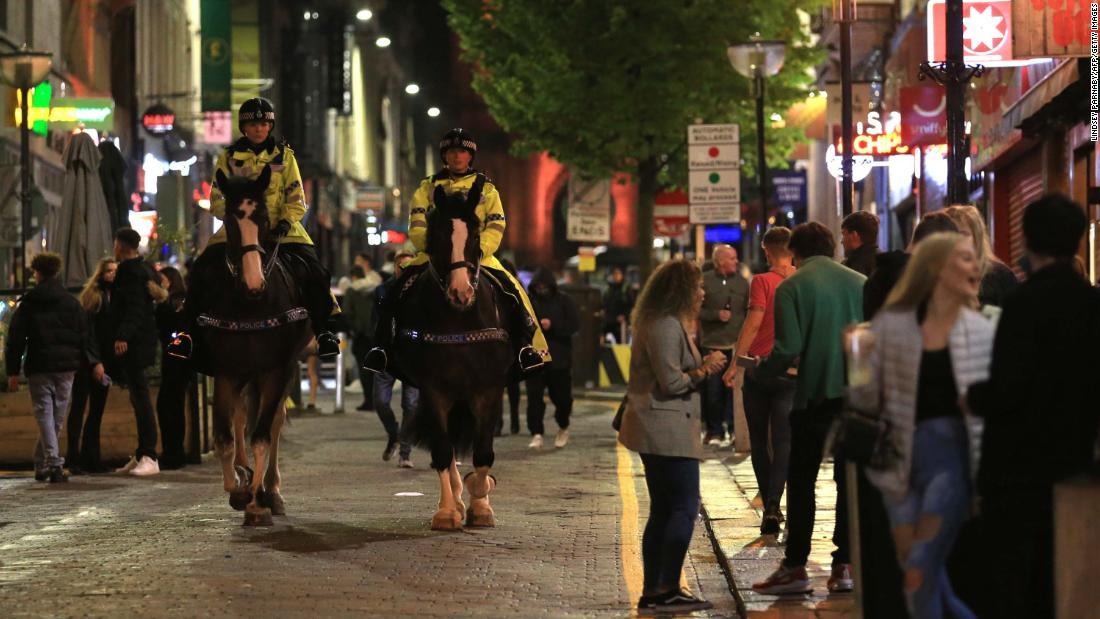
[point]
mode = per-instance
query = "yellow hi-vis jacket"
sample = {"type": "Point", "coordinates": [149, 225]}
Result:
{"type": "Point", "coordinates": [285, 196]}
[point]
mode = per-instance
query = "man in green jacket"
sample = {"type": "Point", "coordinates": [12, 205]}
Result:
{"type": "Point", "coordinates": [812, 307]}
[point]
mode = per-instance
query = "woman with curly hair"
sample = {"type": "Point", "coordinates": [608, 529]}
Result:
{"type": "Point", "coordinates": [662, 423]}
{"type": "Point", "coordinates": [83, 433]}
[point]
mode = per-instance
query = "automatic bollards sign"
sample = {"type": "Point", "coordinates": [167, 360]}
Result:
{"type": "Point", "coordinates": [714, 173]}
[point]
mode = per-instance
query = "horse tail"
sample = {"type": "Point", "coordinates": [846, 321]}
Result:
{"type": "Point", "coordinates": [462, 427]}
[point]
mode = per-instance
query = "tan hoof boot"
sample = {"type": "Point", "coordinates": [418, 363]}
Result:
{"type": "Point", "coordinates": [480, 513]}
{"type": "Point", "coordinates": [257, 517]}
{"type": "Point", "coordinates": [447, 520]}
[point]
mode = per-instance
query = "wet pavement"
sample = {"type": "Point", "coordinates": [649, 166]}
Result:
{"type": "Point", "coordinates": [566, 542]}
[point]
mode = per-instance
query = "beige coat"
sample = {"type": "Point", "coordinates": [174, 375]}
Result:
{"type": "Point", "coordinates": [662, 415]}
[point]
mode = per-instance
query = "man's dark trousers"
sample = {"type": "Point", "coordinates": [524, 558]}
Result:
{"type": "Point", "coordinates": [559, 381]}
{"type": "Point", "coordinates": [138, 387]}
{"type": "Point", "coordinates": [808, 429]}
{"type": "Point", "coordinates": [717, 399]}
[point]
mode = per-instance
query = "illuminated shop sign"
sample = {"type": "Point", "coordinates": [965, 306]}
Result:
{"type": "Point", "coordinates": [874, 138]}
{"type": "Point", "coordinates": [158, 119]}
{"type": "Point", "coordinates": [67, 113]}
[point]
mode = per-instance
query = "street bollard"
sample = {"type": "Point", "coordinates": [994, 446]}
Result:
{"type": "Point", "coordinates": [339, 406]}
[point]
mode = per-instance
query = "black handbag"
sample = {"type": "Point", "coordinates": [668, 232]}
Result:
{"type": "Point", "coordinates": [862, 438]}
{"type": "Point", "coordinates": [617, 421]}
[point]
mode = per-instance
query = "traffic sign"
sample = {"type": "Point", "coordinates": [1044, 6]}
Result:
{"type": "Point", "coordinates": [589, 212]}
{"type": "Point", "coordinates": [714, 173]}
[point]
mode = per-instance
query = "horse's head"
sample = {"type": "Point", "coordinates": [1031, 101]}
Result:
{"type": "Point", "coordinates": [246, 223]}
{"type": "Point", "coordinates": [454, 241]}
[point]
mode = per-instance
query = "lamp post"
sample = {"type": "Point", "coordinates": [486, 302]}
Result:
{"type": "Point", "coordinates": [756, 60]}
{"type": "Point", "coordinates": [23, 69]}
{"type": "Point", "coordinates": [844, 13]}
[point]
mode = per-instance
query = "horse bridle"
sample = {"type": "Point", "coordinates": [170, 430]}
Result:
{"type": "Point", "coordinates": [461, 264]}
{"type": "Point", "coordinates": [260, 250]}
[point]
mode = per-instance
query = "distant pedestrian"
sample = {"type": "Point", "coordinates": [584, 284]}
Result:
{"type": "Point", "coordinates": [52, 328]}
{"type": "Point", "coordinates": [998, 279]}
{"type": "Point", "coordinates": [134, 330]}
{"type": "Point", "coordinates": [720, 320]}
{"type": "Point", "coordinates": [768, 400]}
{"type": "Point", "coordinates": [1040, 411]}
{"type": "Point", "coordinates": [662, 423]}
{"type": "Point", "coordinates": [371, 278]}
{"type": "Point", "coordinates": [890, 265]}
{"type": "Point", "coordinates": [358, 309]}
{"type": "Point", "coordinates": [930, 346]}
{"type": "Point", "coordinates": [383, 384]}
{"type": "Point", "coordinates": [513, 386]}
{"type": "Point", "coordinates": [84, 455]}
{"type": "Point", "coordinates": [859, 237]}
{"type": "Point", "coordinates": [560, 321]}
{"type": "Point", "coordinates": [175, 374]}
{"type": "Point", "coordinates": [617, 304]}
{"type": "Point", "coordinates": [812, 308]}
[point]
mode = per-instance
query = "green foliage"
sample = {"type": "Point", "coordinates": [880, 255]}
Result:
{"type": "Point", "coordinates": [606, 84]}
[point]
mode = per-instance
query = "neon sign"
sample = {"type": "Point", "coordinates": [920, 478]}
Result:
{"type": "Point", "coordinates": [158, 119]}
{"type": "Point", "coordinates": [65, 113]}
{"type": "Point", "coordinates": [876, 139]}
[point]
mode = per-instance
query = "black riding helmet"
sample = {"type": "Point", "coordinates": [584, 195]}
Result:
{"type": "Point", "coordinates": [256, 108]}
{"type": "Point", "coordinates": [457, 138]}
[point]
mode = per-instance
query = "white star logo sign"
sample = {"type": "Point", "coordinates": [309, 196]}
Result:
{"type": "Point", "coordinates": [983, 28]}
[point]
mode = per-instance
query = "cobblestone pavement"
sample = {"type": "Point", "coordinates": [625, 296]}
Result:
{"type": "Point", "coordinates": [729, 487]}
{"type": "Point", "coordinates": [170, 546]}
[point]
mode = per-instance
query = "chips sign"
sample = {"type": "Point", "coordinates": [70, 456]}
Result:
{"type": "Point", "coordinates": [589, 213]}
{"type": "Point", "coordinates": [714, 173]}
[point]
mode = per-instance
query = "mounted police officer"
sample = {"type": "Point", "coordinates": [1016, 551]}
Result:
{"type": "Point", "coordinates": [457, 149]}
{"type": "Point", "coordinates": [286, 205]}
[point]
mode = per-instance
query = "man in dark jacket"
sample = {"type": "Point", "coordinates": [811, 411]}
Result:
{"type": "Point", "coordinates": [51, 327]}
{"type": "Point", "coordinates": [725, 306]}
{"type": "Point", "coordinates": [859, 237]}
{"type": "Point", "coordinates": [1040, 411]}
{"type": "Point", "coordinates": [890, 265]}
{"type": "Point", "coordinates": [133, 323]}
{"type": "Point", "coordinates": [617, 304]}
{"type": "Point", "coordinates": [560, 321]}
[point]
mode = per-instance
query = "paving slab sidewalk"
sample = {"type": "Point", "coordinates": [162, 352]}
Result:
{"type": "Point", "coordinates": [728, 487]}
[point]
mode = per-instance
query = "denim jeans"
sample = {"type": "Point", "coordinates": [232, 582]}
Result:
{"type": "Point", "coordinates": [768, 402]}
{"type": "Point", "coordinates": [717, 400]}
{"type": "Point", "coordinates": [673, 485]}
{"type": "Point", "coordinates": [939, 486]}
{"type": "Point", "coordinates": [50, 393]}
{"type": "Point", "coordinates": [808, 429]}
{"type": "Point", "coordinates": [410, 399]}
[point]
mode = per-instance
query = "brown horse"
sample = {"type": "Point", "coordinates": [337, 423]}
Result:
{"type": "Point", "coordinates": [450, 341]}
{"type": "Point", "coordinates": [253, 336]}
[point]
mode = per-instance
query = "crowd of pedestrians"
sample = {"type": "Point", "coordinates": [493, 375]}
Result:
{"type": "Point", "coordinates": [984, 383]}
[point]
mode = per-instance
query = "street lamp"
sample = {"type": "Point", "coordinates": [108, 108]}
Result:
{"type": "Point", "coordinates": [23, 69]}
{"type": "Point", "coordinates": [756, 60]}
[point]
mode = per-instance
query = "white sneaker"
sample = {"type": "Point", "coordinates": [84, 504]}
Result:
{"type": "Point", "coordinates": [146, 467]}
{"type": "Point", "coordinates": [536, 442]}
{"type": "Point", "coordinates": [405, 463]}
{"type": "Point", "coordinates": [562, 439]}
{"type": "Point", "coordinates": [129, 466]}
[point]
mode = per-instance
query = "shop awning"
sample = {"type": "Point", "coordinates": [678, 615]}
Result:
{"type": "Point", "coordinates": [1043, 93]}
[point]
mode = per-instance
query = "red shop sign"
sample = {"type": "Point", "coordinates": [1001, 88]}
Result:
{"type": "Point", "coordinates": [987, 32]}
{"type": "Point", "coordinates": [923, 115]}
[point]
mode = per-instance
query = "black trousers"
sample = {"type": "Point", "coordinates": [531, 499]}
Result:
{"type": "Point", "coordinates": [176, 376]}
{"type": "Point", "coordinates": [361, 344]}
{"type": "Point", "coordinates": [560, 383]}
{"type": "Point", "coordinates": [83, 434]}
{"type": "Point", "coordinates": [1018, 527]}
{"type": "Point", "coordinates": [808, 429]}
{"type": "Point", "coordinates": [882, 577]}
{"type": "Point", "coordinates": [142, 403]}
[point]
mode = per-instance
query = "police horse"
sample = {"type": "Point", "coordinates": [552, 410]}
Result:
{"type": "Point", "coordinates": [449, 339]}
{"type": "Point", "coordinates": [252, 336]}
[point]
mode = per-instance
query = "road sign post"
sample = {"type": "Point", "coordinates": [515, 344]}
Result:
{"type": "Point", "coordinates": [714, 173]}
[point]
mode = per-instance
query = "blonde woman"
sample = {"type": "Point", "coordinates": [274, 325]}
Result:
{"type": "Point", "coordinates": [662, 423]}
{"type": "Point", "coordinates": [930, 346]}
{"type": "Point", "coordinates": [83, 434]}
{"type": "Point", "coordinates": [997, 278]}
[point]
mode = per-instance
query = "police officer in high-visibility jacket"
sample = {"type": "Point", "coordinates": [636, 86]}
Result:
{"type": "Point", "coordinates": [457, 150]}
{"type": "Point", "coordinates": [286, 206]}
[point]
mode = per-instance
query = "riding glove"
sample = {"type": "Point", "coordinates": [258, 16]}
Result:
{"type": "Point", "coordinates": [281, 229]}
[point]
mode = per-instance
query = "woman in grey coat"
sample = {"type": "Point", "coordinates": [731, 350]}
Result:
{"type": "Point", "coordinates": [662, 423]}
{"type": "Point", "coordinates": [929, 347]}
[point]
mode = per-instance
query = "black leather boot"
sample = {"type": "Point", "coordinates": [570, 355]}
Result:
{"type": "Point", "coordinates": [376, 360]}
{"type": "Point", "coordinates": [181, 346]}
{"type": "Point", "coordinates": [328, 345]}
